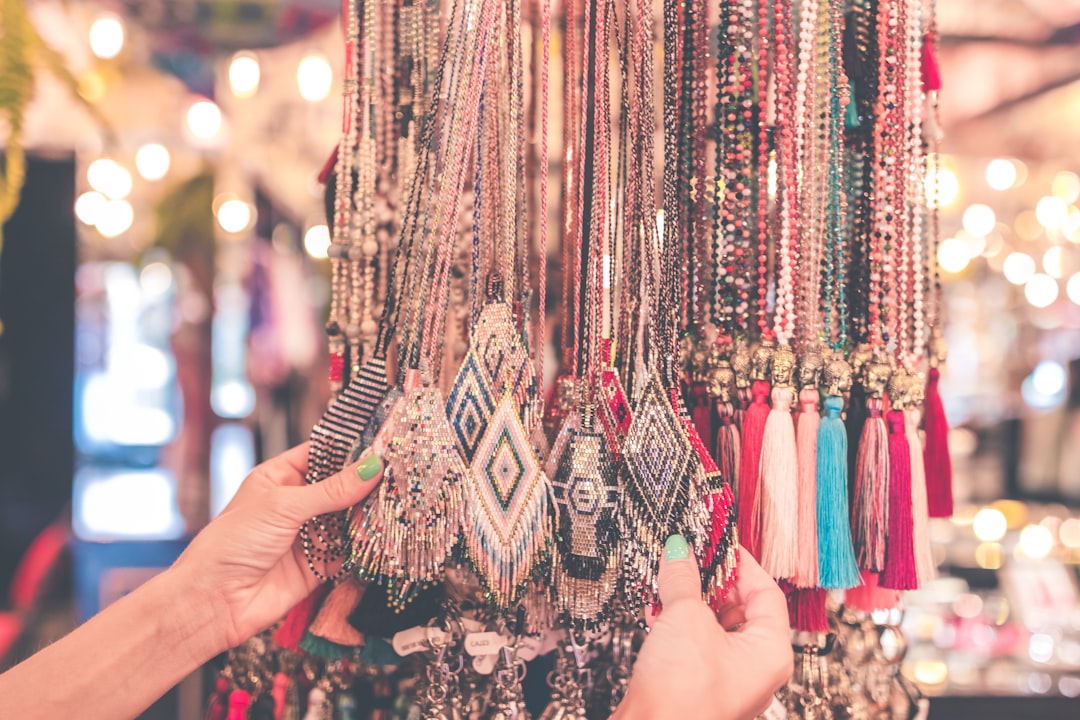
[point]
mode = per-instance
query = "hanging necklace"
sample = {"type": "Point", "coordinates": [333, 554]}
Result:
{"type": "Point", "coordinates": [402, 535]}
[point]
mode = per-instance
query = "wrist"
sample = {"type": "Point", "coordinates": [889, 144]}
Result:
{"type": "Point", "coordinates": [199, 621]}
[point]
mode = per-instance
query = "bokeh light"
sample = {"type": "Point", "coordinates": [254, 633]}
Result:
{"type": "Point", "coordinates": [152, 161]}
{"type": "Point", "coordinates": [109, 178]}
{"type": "Point", "coordinates": [1051, 212]}
{"type": "Point", "coordinates": [1001, 174]}
{"type": "Point", "coordinates": [244, 74]}
{"type": "Point", "coordinates": [114, 218]}
{"type": "Point", "coordinates": [204, 119]}
{"type": "Point", "coordinates": [88, 206]}
{"type": "Point", "coordinates": [1041, 290]}
{"type": "Point", "coordinates": [234, 215]}
{"type": "Point", "coordinates": [1066, 185]}
{"type": "Point", "coordinates": [953, 255]}
{"type": "Point", "coordinates": [317, 241]}
{"type": "Point", "coordinates": [314, 78]}
{"type": "Point", "coordinates": [107, 37]}
{"type": "Point", "coordinates": [979, 220]}
{"type": "Point", "coordinates": [1018, 268]}
{"type": "Point", "coordinates": [989, 525]}
{"type": "Point", "coordinates": [1036, 541]}
{"type": "Point", "coordinates": [1054, 262]}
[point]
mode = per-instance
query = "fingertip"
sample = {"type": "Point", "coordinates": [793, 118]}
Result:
{"type": "Point", "coordinates": [370, 468]}
{"type": "Point", "coordinates": [679, 577]}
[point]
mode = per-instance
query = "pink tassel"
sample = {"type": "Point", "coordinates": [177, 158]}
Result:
{"type": "Point", "coordinates": [239, 701]}
{"type": "Point", "coordinates": [870, 596]}
{"type": "Point", "coordinates": [292, 628]}
{"type": "Point", "coordinates": [701, 411]}
{"type": "Point", "coordinates": [332, 621]}
{"type": "Point", "coordinates": [936, 459]}
{"type": "Point", "coordinates": [727, 444]}
{"type": "Point", "coordinates": [920, 527]}
{"type": "Point", "coordinates": [806, 432]}
{"type": "Point", "coordinates": [931, 74]}
{"type": "Point", "coordinates": [218, 707]}
{"type": "Point", "coordinates": [871, 490]}
{"type": "Point", "coordinates": [753, 432]}
{"type": "Point", "coordinates": [778, 495]}
{"type": "Point", "coordinates": [900, 572]}
{"type": "Point", "coordinates": [806, 609]}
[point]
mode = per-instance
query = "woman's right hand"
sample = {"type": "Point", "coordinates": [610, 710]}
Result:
{"type": "Point", "coordinates": [690, 666]}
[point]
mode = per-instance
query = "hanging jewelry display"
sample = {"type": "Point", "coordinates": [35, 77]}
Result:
{"type": "Point", "coordinates": [706, 351]}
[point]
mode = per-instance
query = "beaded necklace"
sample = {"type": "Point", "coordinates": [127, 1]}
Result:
{"type": "Point", "coordinates": [401, 536]}
{"type": "Point", "coordinates": [732, 219]}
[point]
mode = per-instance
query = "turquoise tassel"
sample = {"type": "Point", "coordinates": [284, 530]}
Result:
{"type": "Point", "coordinates": [851, 117]}
{"type": "Point", "coordinates": [837, 568]}
{"type": "Point", "coordinates": [322, 648]}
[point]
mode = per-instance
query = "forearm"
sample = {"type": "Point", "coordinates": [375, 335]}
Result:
{"type": "Point", "coordinates": [119, 662]}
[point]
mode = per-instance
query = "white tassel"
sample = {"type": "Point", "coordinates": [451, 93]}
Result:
{"type": "Point", "coordinates": [779, 490]}
{"type": "Point", "coordinates": [920, 514]}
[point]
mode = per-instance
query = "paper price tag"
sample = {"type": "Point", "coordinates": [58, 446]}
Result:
{"type": "Point", "coordinates": [484, 664]}
{"type": "Point", "coordinates": [484, 643]}
{"type": "Point", "coordinates": [418, 639]}
{"type": "Point", "coordinates": [529, 647]}
{"type": "Point", "coordinates": [471, 625]}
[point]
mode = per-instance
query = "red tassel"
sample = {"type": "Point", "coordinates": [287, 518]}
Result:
{"type": "Point", "coordinates": [806, 609]}
{"type": "Point", "coordinates": [239, 701]}
{"type": "Point", "coordinates": [292, 628]}
{"type": "Point", "coordinates": [280, 693]}
{"type": "Point", "coordinates": [936, 457]}
{"type": "Point", "coordinates": [900, 572]}
{"type": "Point", "coordinates": [806, 433]}
{"type": "Point", "coordinates": [778, 494]}
{"type": "Point", "coordinates": [870, 596]}
{"type": "Point", "coordinates": [871, 490]}
{"type": "Point", "coordinates": [753, 432]}
{"type": "Point", "coordinates": [701, 411]}
{"type": "Point", "coordinates": [218, 707]}
{"type": "Point", "coordinates": [931, 74]}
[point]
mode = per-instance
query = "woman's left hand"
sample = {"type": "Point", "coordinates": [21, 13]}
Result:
{"type": "Point", "coordinates": [248, 564]}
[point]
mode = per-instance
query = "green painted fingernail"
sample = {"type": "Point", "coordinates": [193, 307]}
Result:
{"type": "Point", "coordinates": [369, 468]}
{"type": "Point", "coordinates": [676, 548]}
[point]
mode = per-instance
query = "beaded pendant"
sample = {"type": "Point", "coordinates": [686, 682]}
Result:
{"type": "Point", "coordinates": [615, 414]}
{"type": "Point", "coordinates": [333, 439]}
{"type": "Point", "coordinates": [470, 405]}
{"type": "Point", "coordinates": [402, 539]}
{"type": "Point", "coordinates": [345, 420]}
{"type": "Point", "coordinates": [586, 501]}
{"type": "Point", "coordinates": [503, 355]}
{"type": "Point", "coordinates": [570, 424]}
{"type": "Point", "coordinates": [661, 497]}
{"type": "Point", "coordinates": [718, 554]}
{"type": "Point", "coordinates": [507, 531]}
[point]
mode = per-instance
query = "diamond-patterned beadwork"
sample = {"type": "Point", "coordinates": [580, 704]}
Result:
{"type": "Point", "coordinates": [469, 405]}
{"type": "Point", "coordinates": [614, 413]}
{"type": "Point", "coordinates": [660, 497]}
{"type": "Point", "coordinates": [503, 355]}
{"type": "Point", "coordinates": [507, 532]}
{"type": "Point", "coordinates": [717, 554]}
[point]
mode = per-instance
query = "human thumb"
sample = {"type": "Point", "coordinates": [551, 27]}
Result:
{"type": "Point", "coordinates": [341, 490]}
{"type": "Point", "coordinates": [679, 577]}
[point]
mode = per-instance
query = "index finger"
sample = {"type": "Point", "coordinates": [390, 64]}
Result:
{"type": "Point", "coordinates": [290, 467]}
{"type": "Point", "coordinates": [764, 606]}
